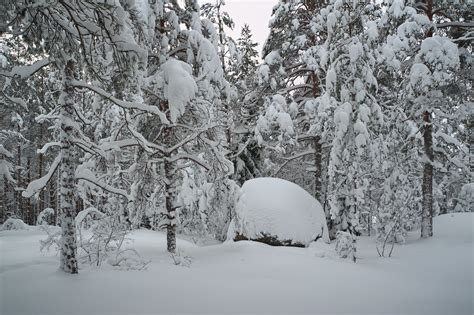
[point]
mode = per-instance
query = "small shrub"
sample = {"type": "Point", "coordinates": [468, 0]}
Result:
{"type": "Point", "coordinates": [346, 245]}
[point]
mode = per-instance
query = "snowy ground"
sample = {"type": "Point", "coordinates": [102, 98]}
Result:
{"type": "Point", "coordinates": [424, 276]}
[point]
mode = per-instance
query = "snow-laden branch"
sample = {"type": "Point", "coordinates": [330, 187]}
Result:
{"type": "Point", "coordinates": [295, 87]}
{"type": "Point", "coordinates": [88, 146]}
{"type": "Point", "coordinates": [81, 216]}
{"type": "Point", "coordinates": [118, 144]}
{"type": "Point", "coordinates": [5, 152]}
{"type": "Point", "coordinates": [294, 157]}
{"type": "Point", "coordinates": [219, 154]}
{"type": "Point", "coordinates": [26, 71]}
{"type": "Point", "coordinates": [448, 138]}
{"type": "Point", "coordinates": [48, 145]}
{"type": "Point", "coordinates": [298, 71]}
{"type": "Point", "coordinates": [5, 171]}
{"type": "Point", "coordinates": [16, 100]}
{"type": "Point", "coordinates": [83, 173]}
{"type": "Point", "coordinates": [455, 24]}
{"type": "Point", "coordinates": [121, 103]}
{"type": "Point", "coordinates": [190, 157]}
{"type": "Point", "coordinates": [38, 184]}
{"type": "Point", "coordinates": [190, 138]}
{"type": "Point", "coordinates": [141, 140]}
{"type": "Point", "coordinates": [242, 149]}
{"type": "Point", "coordinates": [307, 137]}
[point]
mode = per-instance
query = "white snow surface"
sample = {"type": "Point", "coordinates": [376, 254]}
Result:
{"type": "Point", "coordinates": [277, 207]}
{"type": "Point", "coordinates": [432, 276]}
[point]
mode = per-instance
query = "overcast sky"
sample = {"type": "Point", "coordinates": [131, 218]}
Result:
{"type": "Point", "coordinates": [256, 13]}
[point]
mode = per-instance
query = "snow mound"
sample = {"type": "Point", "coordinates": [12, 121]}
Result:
{"type": "Point", "coordinates": [277, 212]}
{"type": "Point", "coordinates": [180, 87]}
{"type": "Point", "coordinates": [13, 224]}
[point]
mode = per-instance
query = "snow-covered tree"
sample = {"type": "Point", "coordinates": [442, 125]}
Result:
{"type": "Point", "coordinates": [247, 66]}
{"type": "Point", "coordinates": [6, 178]}
{"type": "Point", "coordinates": [289, 72]}
{"type": "Point", "coordinates": [348, 95]}
{"type": "Point", "coordinates": [185, 81]}
{"type": "Point", "coordinates": [65, 36]}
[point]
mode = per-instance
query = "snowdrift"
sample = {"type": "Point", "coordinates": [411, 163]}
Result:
{"type": "Point", "coordinates": [277, 212]}
{"type": "Point", "coordinates": [13, 224]}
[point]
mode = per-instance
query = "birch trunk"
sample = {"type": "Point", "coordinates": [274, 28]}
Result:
{"type": "Point", "coordinates": [68, 251]}
{"type": "Point", "coordinates": [169, 186]}
{"type": "Point", "coordinates": [170, 209]}
{"type": "Point", "coordinates": [19, 182]}
{"type": "Point", "coordinates": [41, 202]}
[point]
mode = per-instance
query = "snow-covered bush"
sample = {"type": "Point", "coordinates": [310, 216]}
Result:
{"type": "Point", "coordinates": [465, 199]}
{"type": "Point", "coordinates": [101, 237]}
{"type": "Point", "coordinates": [53, 239]}
{"type": "Point", "coordinates": [206, 207]}
{"type": "Point", "coordinates": [345, 245]}
{"type": "Point", "coordinates": [45, 217]}
{"type": "Point", "coordinates": [13, 224]}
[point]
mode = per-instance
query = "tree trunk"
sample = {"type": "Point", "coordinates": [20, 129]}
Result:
{"type": "Point", "coordinates": [41, 202]}
{"type": "Point", "coordinates": [53, 196]}
{"type": "Point", "coordinates": [369, 215]}
{"type": "Point", "coordinates": [318, 168]}
{"type": "Point", "coordinates": [19, 202]}
{"type": "Point", "coordinates": [30, 215]}
{"type": "Point", "coordinates": [68, 251]}
{"type": "Point", "coordinates": [4, 200]}
{"type": "Point", "coordinates": [170, 209]}
{"type": "Point", "coordinates": [427, 210]}
{"type": "Point", "coordinates": [169, 186]}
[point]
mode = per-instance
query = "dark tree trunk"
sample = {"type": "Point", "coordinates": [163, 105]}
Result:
{"type": "Point", "coordinates": [4, 200]}
{"type": "Point", "coordinates": [427, 209]}
{"type": "Point", "coordinates": [53, 196]}
{"type": "Point", "coordinates": [318, 168]}
{"type": "Point", "coordinates": [427, 189]}
{"type": "Point", "coordinates": [30, 215]}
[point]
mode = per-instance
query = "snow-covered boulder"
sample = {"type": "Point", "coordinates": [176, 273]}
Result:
{"type": "Point", "coordinates": [277, 212]}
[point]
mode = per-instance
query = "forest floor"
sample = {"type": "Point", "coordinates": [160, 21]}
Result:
{"type": "Point", "coordinates": [433, 276]}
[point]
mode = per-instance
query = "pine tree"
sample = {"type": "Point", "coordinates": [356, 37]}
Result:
{"type": "Point", "coordinates": [66, 41]}
{"type": "Point", "coordinates": [436, 59]}
{"type": "Point", "coordinates": [288, 71]}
